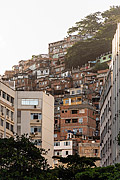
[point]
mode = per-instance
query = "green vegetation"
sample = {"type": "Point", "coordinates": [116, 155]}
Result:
{"type": "Point", "coordinates": [21, 160]}
{"type": "Point", "coordinates": [100, 66]}
{"type": "Point", "coordinates": [97, 31]}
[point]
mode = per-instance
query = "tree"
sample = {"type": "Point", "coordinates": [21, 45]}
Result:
{"type": "Point", "coordinates": [97, 31]}
{"type": "Point", "coordinates": [87, 26]}
{"type": "Point", "coordinates": [21, 159]}
{"type": "Point", "coordinates": [85, 51]}
{"type": "Point", "coordinates": [73, 164]}
{"type": "Point", "coordinates": [100, 66]}
{"type": "Point", "coordinates": [100, 173]}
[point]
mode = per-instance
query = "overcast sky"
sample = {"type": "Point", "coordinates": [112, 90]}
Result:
{"type": "Point", "coordinates": [27, 26]}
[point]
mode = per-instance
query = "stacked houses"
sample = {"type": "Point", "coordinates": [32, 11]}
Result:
{"type": "Point", "coordinates": [76, 96]}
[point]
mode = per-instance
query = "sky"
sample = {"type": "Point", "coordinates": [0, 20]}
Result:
{"type": "Point", "coordinates": [28, 26]}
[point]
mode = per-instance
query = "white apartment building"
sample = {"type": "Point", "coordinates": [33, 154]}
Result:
{"type": "Point", "coordinates": [64, 148]}
{"type": "Point", "coordinates": [110, 108]}
{"type": "Point", "coordinates": [106, 121]}
{"type": "Point", "coordinates": [116, 96]}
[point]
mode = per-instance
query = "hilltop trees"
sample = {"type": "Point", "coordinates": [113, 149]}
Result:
{"type": "Point", "coordinates": [97, 31]}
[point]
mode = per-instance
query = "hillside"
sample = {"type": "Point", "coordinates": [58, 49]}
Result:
{"type": "Point", "coordinates": [97, 31]}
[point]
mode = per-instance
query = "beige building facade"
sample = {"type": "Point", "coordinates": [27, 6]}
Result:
{"type": "Point", "coordinates": [28, 112]}
{"type": "Point", "coordinates": [7, 96]}
{"type": "Point", "coordinates": [34, 115]}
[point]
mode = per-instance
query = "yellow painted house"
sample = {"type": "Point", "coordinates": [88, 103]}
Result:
{"type": "Point", "coordinates": [72, 100]}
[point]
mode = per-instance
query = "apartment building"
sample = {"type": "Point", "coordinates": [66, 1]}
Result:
{"type": "Point", "coordinates": [63, 148]}
{"type": "Point", "coordinates": [90, 148]}
{"type": "Point", "coordinates": [7, 110]}
{"type": "Point", "coordinates": [59, 49]}
{"type": "Point", "coordinates": [77, 115]}
{"type": "Point", "coordinates": [34, 115]}
{"type": "Point", "coordinates": [28, 112]}
{"type": "Point", "coordinates": [116, 96]}
{"type": "Point", "coordinates": [106, 121]}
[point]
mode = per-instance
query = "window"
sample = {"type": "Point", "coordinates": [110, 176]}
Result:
{"type": "Point", "coordinates": [67, 143]}
{"type": "Point", "coordinates": [11, 115]}
{"type": "Point", "coordinates": [82, 111]}
{"type": "Point", "coordinates": [101, 82]}
{"type": "Point", "coordinates": [18, 116]}
{"type": "Point", "coordinates": [97, 106]}
{"type": "Point", "coordinates": [67, 152]}
{"type": "Point", "coordinates": [56, 121]}
{"type": "Point", "coordinates": [1, 122]}
{"type": "Point", "coordinates": [55, 135]}
{"type": "Point", "coordinates": [7, 112]}
{"type": "Point", "coordinates": [2, 109]}
{"type": "Point", "coordinates": [4, 95]}
{"type": "Point", "coordinates": [73, 100]}
{"type": "Point", "coordinates": [78, 99]}
{"type": "Point", "coordinates": [74, 120]}
{"type": "Point", "coordinates": [66, 101]}
{"type": "Point", "coordinates": [80, 130]}
{"type": "Point", "coordinates": [57, 144]}
{"type": "Point", "coordinates": [74, 111]}
{"type": "Point", "coordinates": [56, 153]}
{"type": "Point", "coordinates": [95, 151]}
{"type": "Point", "coordinates": [8, 97]}
{"type": "Point", "coordinates": [67, 120]}
{"type": "Point", "coordinates": [75, 130]}
{"type": "Point", "coordinates": [11, 127]}
{"type": "Point", "coordinates": [80, 120]}
{"type": "Point", "coordinates": [58, 108]}
{"type": "Point", "coordinates": [78, 91]}
{"type": "Point", "coordinates": [29, 102]}
{"type": "Point", "coordinates": [73, 92]}
{"type": "Point", "coordinates": [80, 81]}
{"type": "Point", "coordinates": [36, 116]}
{"type": "Point", "coordinates": [7, 125]}
{"type": "Point", "coordinates": [38, 142]}
{"type": "Point", "coordinates": [12, 101]}
{"type": "Point", "coordinates": [104, 58]}
{"type": "Point", "coordinates": [35, 129]}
